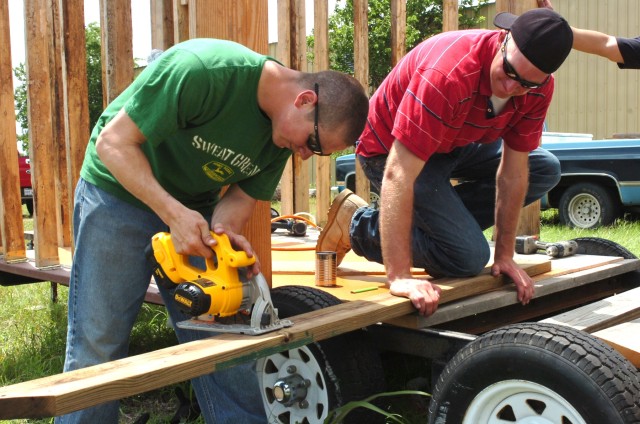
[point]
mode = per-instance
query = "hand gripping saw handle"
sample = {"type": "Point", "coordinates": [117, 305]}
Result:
{"type": "Point", "coordinates": [218, 291]}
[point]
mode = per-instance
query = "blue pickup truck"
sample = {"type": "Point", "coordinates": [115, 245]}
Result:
{"type": "Point", "coordinates": [600, 178]}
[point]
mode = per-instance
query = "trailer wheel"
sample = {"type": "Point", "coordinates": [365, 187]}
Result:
{"type": "Point", "coordinates": [603, 247]}
{"type": "Point", "coordinates": [586, 205]}
{"type": "Point", "coordinates": [303, 384]}
{"type": "Point", "coordinates": [537, 373]}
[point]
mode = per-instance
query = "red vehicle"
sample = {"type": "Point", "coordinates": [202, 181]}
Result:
{"type": "Point", "coordinates": [26, 191]}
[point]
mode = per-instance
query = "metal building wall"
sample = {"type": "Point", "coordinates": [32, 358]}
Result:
{"type": "Point", "coordinates": [592, 94]}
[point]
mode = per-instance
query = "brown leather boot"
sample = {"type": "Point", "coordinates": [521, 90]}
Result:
{"type": "Point", "coordinates": [335, 235]}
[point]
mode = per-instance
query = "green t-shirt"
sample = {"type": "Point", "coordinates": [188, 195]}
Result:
{"type": "Point", "coordinates": [197, 106]}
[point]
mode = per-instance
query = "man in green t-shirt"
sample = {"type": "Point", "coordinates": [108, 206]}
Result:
{"type": "Point", "coordinates": [204, 115]}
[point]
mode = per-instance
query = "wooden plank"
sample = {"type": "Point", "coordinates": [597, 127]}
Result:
{"type": "Point", "coordinates": [539, 307]}
{"type": "Point", "coordinates": [117, 47]}
{"type": "Point", "coordinates": [624, 338]}
{"type": "Point", "coordinates": [162, 26]}
{"type": "Point", "coordinates": [64, 393]}
{"type": "Point", "coordinates": [603, 314]}
{"type": "Point", "coordinates": [11, 223]}
{"type": "Point", "coordinates": [75, 96]}
{"type": "Point", "coordinates": [243, 21]}
{"type": "Point", "coordinates": [361, 73]}
{"type": "Point", "coordinates": [398, 30]}
{"type": "Point", "coordinates": [449, 15]}
{"type": "Point", "coordinates": [321, 63]}
{"type": "Point", "coordinates": [180, 20]}
{"type": "Point", "coordinates": [39, 36]}
{"type": "Point", "coordinates": [452, 288]}
{"type": "Point", "coordinates": [63, 205]}
{"type": "Point", "coordinates": [566, 273]}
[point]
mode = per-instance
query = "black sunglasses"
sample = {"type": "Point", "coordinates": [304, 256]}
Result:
{"type": "Point", "coordinates": [313, 142]}
{"type": "Point", "coordinates": [511, 73]}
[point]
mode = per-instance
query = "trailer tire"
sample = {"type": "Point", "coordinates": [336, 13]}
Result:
{"type": "Point", "coordinates": [341, 369]}
{"type": "Point", "coordinates": [535, 372]}
{"type": "Point", "coordinates": [603, 247]}
{"type": "Point", "coordinates": [587, 205]}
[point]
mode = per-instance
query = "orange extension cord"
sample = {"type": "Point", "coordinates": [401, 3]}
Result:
{"type": "Point", "coordinates": [297, 218]}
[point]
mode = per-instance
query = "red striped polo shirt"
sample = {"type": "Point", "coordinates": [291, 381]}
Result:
{"type": "Point", "coordinates": [436, 99]}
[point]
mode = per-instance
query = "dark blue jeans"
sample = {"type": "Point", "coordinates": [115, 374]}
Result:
{"type": "Point", "coordinates": [448, 221]}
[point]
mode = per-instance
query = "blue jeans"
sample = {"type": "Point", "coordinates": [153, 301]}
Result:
{"type": "Point", "coordinates": [448, 221]}
{"type": "Point", "coordinates": [109, 279]}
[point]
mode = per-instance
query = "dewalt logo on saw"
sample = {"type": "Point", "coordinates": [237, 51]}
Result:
{"type": "Point", "coordinates": [183, 300]}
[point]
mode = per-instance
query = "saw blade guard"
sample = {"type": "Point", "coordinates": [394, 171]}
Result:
{"type": "Point", "coordinates": [219, 281]}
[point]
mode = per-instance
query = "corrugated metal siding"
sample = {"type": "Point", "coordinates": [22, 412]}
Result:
{"type": "Point", "coordinates": [592, 94]}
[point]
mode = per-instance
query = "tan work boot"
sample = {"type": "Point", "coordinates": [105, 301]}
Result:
{"type": "Point", "coordinates": [335, 235]}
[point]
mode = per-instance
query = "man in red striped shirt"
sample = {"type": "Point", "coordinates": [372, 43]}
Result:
{"type": "Point", "coordinates": [468, 105]}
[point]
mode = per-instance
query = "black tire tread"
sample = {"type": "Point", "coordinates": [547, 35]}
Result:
{"type": "Point", "coordinates": [617, 377]}
{"type": "Point", "coordinates": [602, 247]}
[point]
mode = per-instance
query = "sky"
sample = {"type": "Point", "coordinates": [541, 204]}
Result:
{"type": "Point", "coordinates": [141, 15]}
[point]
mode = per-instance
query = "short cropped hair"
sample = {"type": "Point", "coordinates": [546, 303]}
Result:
{"type": "Point", "coordinates": [344, 105]}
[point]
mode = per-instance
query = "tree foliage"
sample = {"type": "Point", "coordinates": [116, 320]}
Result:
{"type": "Point", "coordinates": [94, 81]}
{"type": "Point", "coordinates": [424, 19]}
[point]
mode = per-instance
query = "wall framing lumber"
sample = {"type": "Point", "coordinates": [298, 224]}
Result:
{"type": "Point", "coordinates": [398, 30]}
{"type": "Point", "coordinates": [162, 26]}
{"type": "Point", "coordinates": [117, 47]}
{"type": "Point", "coordinates": [75, 93]}
{"type": "Point", "coordinates": [40, 73]}
{"type": "Point", "coordinates": [63, 197]}
{"type": "Point", "coordinates": [243, 21]}
{"type": "Point", "coordinates": [11, 225]}
{"type": "Point", "coordinates": [180, 20]}
{"type": "Point", "coordinates": [449, 15]}
{"type": "Point", "coordinates": [321, 55]}
{"type": "Point", "coordinates": [361, 73]}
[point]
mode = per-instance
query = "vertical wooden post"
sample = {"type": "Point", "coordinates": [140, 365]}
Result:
{"type": "Point", "coordinates": [11, 224]}
{"type": "Point", "coordinates": [292, 51]}
{"type": "Point", "coordinates": [283, 54]}
{"type": "Point", "coordinates": [321, 55]}
{"type": "Point", "coordinates": [117, 47]}
{"type": "Point", "coordinates": [244, 21]}
{"type": "Point", "coordinates": [361, 71]}
{"type": "Point", "coordinates": [63, 202]}
{"type": "Point", "coordinates": [75, 89]}
{"type": "Point", "coordinates": [75, 94]}
{"type": "Point", "coordinates": [39, 36]}
{"type": "Point", "coordinates": [162, 26]}
{"type": "Point", "coordinates": [298, 61]}
{"type": "Point", "coordinates": [398, 30]}
{"type": "Point", "coordinates": [529, 223]}
{"type": "Point", "coordinates": [180, 20]}
{"type": "Point", "coordinates": [449, 15]}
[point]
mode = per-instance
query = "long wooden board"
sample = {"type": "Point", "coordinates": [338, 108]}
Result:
{"type": "Point", "coordinates": [565, 274]}
{"type": "Point", "coordinates": [624, 338]}
{"type": "Point", "coordinates": [64, 393]}
{"type": "Point", "coordinates": [603, 314]}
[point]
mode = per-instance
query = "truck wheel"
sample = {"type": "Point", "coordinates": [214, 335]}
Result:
{"type": "Point", "coordinates": [537, 373]}
{"type": "Point", "coordinates": [587, 205]}
{"type": "Point", "coordinates": [29, 204]}
{"type": "Point", "coordinates": [303, 384]}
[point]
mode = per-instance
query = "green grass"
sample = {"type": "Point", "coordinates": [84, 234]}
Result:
{"type": "Point", "coordinates": [33, 330]}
